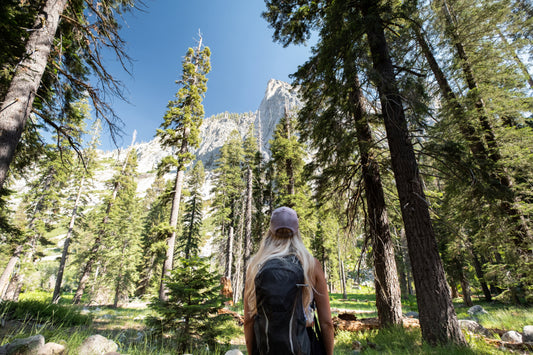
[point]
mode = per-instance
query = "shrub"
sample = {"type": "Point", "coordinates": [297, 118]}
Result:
{"type": "Point", "coordinates": [190, 315]}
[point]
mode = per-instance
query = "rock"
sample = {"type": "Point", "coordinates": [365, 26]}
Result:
{"type": "Point", "coordinates": [52, 349]}
{"type": "Point", "coordinates": [26, 346]}
{"type": "Point", "coordinates": [512, 337]}
{"type": "Point", "coordinates": [97, 345]}
{"type": "Point", "coordinates": [528, 334]}
{"type": "Point", "coordinates": [234, 352]}
{"type": "Point", "coordinates": [476, 310]}
{"type": "Point", "coordinates": [411, 315]}
{"type": "Point", "coordinates": [473, 327]}
{"type": "Point", "coordinates": [112, 353]}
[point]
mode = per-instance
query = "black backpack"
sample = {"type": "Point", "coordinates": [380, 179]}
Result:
{"type": "Point", "coordinates": [279, 325]}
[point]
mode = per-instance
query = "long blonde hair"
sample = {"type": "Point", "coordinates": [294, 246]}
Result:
{"type": "Point", "coordinates": [275, 246]}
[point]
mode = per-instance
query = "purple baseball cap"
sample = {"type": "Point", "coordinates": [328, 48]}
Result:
{"type": "Point", "coordinates": [284, 217]}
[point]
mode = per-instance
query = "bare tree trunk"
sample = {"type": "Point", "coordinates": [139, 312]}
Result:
{"type": "Point", "coordinates": [18, 101]}
{"type": "Point", "coordinates": [171, 242]}
{"type": "Point", "coordinates": [14, 287]}
{"type": "Point", "coordinates": [229, 254]}
{"type": "Point", "coordinates": [481, 276]}
{"type": "Point", "coordinates": [438, 320]}
{"type": "Point", "coordinates": [64, 254]}
{"type": "Point", "coordinates": [4, 279]}
{"type": "Point", "coordinates": [248, 220]}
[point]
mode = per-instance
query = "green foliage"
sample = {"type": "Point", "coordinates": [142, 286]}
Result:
{"type": "Point", "coordinates": [190, 239]}
{"type": "Point", "coordinates": [190, 316]}
{"type": "Point", "coordinates": [43, 312]}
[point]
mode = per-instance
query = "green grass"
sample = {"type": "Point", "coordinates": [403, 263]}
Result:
{"type": "Point", "coordinates": [69, 325]}
{"type": "Point", "coordinates": [400, 341]}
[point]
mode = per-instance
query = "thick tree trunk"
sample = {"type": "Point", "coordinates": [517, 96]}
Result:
{"type": "Point", "coordinates": [388, 298]}
{"type": "Point", "coordinates": [171, 242]}
{"type": "Point", "coordinates": [64, 254]}
{"type": "Point", "coordinates": [438, 320]}
{"type": "Point", "coordinates": [19, 98]}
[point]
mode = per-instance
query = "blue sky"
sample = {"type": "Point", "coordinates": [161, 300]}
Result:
{"type": "Point", "coordinates": [243, 59]}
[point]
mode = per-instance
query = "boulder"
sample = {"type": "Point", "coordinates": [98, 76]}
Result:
{"type": "Point", "coordinates": [473, 327]}
{"type": "Point", "coordinates": [25, 346]}
{"type": "Point", "coordinates": [233, 352]}
{"type": "Point", "coordinates": [97, 345]}
{"type": "Point", "coordinates": [52, 349]}
{"type": "Point", "coordinates": [476, 310]}
{"type": "Point", "coordinates": [528, 334]}
{"type": "Point", "coordinates": [512, 337]}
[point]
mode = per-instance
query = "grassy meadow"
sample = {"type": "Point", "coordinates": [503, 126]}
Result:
{"type": "Point", "coordinates": [70, 325]}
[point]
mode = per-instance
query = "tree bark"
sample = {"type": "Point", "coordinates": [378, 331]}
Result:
{"type": "Point", "coordinates": [171, 242]}
{"type": "Point", "coordinates": [388, 298]}
{"type": "Point", "coordinates": [248, 219]}
{"type": "Point", "coordinates": [64, 254]}
{"type": "Point", "coordinates": [481, 276]}
{"type": "Point", "coordinates": [438, 320]}
{"type": "Point", "coordinates": [4, 279]}
{"type": "Point", "coordinates": [18, 101]}
{"type": "Point", "coordinates": [229, 254]}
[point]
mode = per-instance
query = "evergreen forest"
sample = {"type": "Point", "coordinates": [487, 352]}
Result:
{"type": "Point", "coordinates": [409, 164]}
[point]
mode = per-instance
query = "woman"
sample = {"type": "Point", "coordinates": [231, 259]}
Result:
{"type": "Point", "coordinates": [281, 247]}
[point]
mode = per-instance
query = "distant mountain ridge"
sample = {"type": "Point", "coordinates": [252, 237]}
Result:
{"type": "Point", "coordinates": [214, 132]}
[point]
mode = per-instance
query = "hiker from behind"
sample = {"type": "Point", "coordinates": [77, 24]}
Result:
{"type": "Point", "coordinates": [284, 283]}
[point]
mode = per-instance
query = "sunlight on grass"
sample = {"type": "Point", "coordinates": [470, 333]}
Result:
{"type": "Point", "coordinates": [127, 328]}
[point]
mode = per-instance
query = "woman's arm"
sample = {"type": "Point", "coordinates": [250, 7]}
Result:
{"type": "Point", "coordinates": [248, 327]}
{"type": "Point", "coordinates": [323, 308]}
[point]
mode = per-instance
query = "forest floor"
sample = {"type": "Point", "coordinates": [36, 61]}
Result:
{"type": "Point", "coordinates": [355, 319]}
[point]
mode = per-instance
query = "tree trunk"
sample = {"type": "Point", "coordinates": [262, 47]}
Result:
{"type": "Point", "coordinates": [148, 271]}
{"type": "Point", "coordinates": [229, 254]}
{"type": "Point", "coordinates": [388, 298]}
{"type": "Point", "coordinates": [438, 320]}
{"type": "Point", "coordinates": [481, 276]}
{"type": "Point", "coordinates": [248, 219]}
{"type": "Point", "coordinates": [171, 242]}
{"type": "Point", "coordinates": [64, 254]}
{"type": "Point", "coordinates": [4, 279]}
{"type": "Point", "coordinates": [511, 52]}
{"type": "Point", "coordinates": [467, 295]}
{"type": "Point", "coordinates": [18, 101]}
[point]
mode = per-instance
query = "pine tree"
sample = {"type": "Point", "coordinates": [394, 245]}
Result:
{"type": "Point", "coordinates": [82, 175]}
{"type": "Point", "coordinates": [190, 315]}
{"type": "Point", "coordinates": [228, 186]}
{"type": "Point", "coordinates": [102, 228]}
{"type": "Point", "coordinates": [123, 251]}
{"type": "Point", "coordinates": [292, 23]}
{"type": "Point", "coordinates": [155, 232]}
{"type": "Point", "coordinates": [51, 72]}
{"type": "Point", "coordinates": [181, 130]}
{"type": "Point", "coordinates": [189, 242]}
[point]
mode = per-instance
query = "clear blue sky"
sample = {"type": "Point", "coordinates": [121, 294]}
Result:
{"type": "Point", "coordinates": [243, 59]}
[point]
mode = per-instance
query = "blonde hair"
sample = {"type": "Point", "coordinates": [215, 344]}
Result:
{"type": "Point", "coordinates": [276, 246]}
